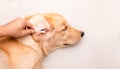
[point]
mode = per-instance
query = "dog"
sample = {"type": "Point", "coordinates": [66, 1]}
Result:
{"type": "Point", "coordinates": [52, 31]}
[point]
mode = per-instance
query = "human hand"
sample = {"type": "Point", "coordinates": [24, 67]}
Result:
{"type": "Point", "coordinates": [18, 28]}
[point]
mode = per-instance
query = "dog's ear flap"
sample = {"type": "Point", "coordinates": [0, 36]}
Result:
{"type": "Point", "coordinates": [28, 17]}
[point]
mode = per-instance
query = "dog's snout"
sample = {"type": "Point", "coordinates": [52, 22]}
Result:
{"type": "Point", "coordinates": [82, 34]}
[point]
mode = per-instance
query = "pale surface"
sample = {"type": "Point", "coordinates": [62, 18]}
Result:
{"type": "Point", "coordinates": [100, 20]}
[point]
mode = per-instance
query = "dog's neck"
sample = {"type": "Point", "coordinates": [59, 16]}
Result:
{"type": "Point", "coordinates": [29, 41]}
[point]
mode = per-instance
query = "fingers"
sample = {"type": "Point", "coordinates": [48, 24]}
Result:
{"type": "Point", "coordinates": [29, 28]}
{"type": "Point", "coordinates": [28, 31]}
{"type": "Point", "coordinates": [25, 23]}
{"type": "Point", "coordinates": [29, 25]}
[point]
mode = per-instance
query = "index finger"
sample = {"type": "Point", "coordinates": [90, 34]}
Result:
{"type": "Point", "coordinates": [29, 25]}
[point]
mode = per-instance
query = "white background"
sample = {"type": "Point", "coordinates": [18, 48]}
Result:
{"type": "Point", "coordinates": [99, 19]}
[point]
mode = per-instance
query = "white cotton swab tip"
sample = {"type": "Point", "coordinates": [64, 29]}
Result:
{"type": "Point", "coordinates": [40, 24]}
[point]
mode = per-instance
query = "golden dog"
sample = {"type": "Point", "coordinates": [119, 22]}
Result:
{"type": "Point", "coordinates": [28, 52]}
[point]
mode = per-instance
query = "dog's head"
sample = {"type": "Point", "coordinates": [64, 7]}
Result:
{"type": "Point", "coordinates": [53, 31]}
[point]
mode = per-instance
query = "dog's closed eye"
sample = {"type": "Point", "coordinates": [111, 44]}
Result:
{"type": "Point", "coordinates": [65, 28]}
{"type": "Point", "coordinates": [66, 44]}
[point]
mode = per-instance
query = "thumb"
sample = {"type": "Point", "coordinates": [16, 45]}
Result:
{"type": "Point", "coordinates": [28, 31]}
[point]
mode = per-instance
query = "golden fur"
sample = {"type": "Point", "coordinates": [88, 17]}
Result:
{"type": "Point", "coordinates": [28, 52]}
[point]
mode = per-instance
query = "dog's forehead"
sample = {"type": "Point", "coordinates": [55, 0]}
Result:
{"type": "Point", "coordinates": [39, 23]}
{"type": "Point", "coordinates": [59, 20]}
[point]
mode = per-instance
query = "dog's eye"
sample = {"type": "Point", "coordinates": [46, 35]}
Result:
{"type": "Point", "coordinates": [65, 28]}
{"type": "Point", "coordinates": [66, 44]}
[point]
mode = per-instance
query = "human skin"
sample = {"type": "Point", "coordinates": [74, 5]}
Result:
{"type": "Point", "coordinates": [16, 28]}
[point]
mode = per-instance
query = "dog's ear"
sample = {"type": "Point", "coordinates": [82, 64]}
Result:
{"type": "Point", "coordinates": [27, 17]}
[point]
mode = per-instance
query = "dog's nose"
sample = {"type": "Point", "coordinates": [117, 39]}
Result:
{"type": "Point", "coordinates": [82, 34]}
